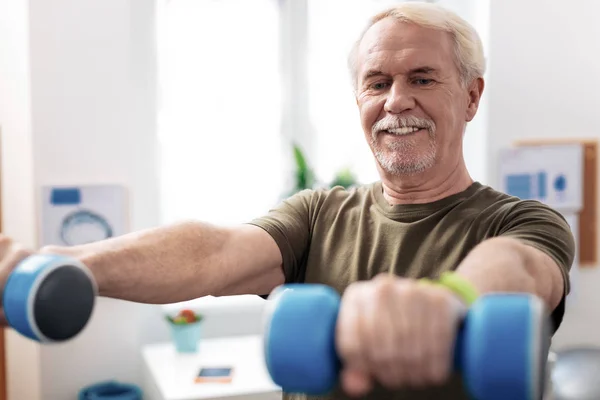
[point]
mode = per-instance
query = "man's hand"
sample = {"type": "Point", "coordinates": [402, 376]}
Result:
{"type": "Point", "coordinates": [11, 254]}
{"type": "Point", "coordinates": [398, 332]}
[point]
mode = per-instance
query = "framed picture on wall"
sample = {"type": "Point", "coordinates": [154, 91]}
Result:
{"type": "Point", "coordinates": [72, 215]}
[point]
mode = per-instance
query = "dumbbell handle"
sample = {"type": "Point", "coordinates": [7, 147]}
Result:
{"type": "Point", "coordinates": [49, 298]}
{"type": "Point", "coordinates": [496, 345]}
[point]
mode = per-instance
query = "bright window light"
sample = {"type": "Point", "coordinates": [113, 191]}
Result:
{"type": "Point", "coordinates": [219, 122]}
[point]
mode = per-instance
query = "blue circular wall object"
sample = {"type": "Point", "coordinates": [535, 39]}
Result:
{"type": "Point", "coordinates": [84, 226]}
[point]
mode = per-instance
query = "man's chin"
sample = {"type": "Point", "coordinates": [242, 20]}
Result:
{"type": "Point", "coordinates": [404, 167]}
{"type": "Point", "coordinates": [403, 170]}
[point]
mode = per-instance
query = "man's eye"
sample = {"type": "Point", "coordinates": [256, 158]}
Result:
{"type": "Point", "coordinates": [379, 85]}
{"type": "Point", "coordinates": [422, 81]}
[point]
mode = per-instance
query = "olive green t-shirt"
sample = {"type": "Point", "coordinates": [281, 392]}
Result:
{"type": "Point", "coordinates": [338, 236]}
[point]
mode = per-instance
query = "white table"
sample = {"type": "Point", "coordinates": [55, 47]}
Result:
{"type": "Point", "coordinates": [170, 375]}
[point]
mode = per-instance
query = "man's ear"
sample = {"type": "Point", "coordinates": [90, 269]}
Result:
{"type": "Point", "coordinates": [475, 92]}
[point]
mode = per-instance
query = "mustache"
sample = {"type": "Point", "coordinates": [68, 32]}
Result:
{"type": "Point", "coordinates": [388, 123]}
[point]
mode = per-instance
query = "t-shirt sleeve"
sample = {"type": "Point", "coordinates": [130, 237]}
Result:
{"type": "Point", "coordinates": [289, 223]}
{"type": "Point", "coordinates": [542, 227]}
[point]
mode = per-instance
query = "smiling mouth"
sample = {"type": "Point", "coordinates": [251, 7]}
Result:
{"type": "Point", "coordinates": [403, 131]}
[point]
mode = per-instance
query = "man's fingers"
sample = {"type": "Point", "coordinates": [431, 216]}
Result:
{"type": "Point", "coordinates": [348, 334]}
{"type": "Point", "coordinates": [5, 243]}
{"type": "Point", "coordinates": [439, 334]}
{"type": "Point", "coordinates": [385, 334]}
{"type": "Point", "coordinates": [355, 382]}
{"type": "Point", "coordinates": [416, 320]}
{"type": "Point", "coordinates": [13, 255]}
{"type": "Point", "coordinates": [352, 340]}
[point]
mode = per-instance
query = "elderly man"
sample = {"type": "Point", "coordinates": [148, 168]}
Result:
{"type": "Point", "coordinates": [417, 71]}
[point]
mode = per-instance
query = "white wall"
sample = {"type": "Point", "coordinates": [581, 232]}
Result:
{"type": "Point", "coordinates": [544, 82]}
{"type": "Point", "coordinates": [77, 91]}
{"type": "Point", "coordinates": [93, 99]}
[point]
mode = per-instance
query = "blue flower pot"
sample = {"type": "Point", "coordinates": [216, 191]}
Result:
{"type": "Point", "coordinates": [186, 337]}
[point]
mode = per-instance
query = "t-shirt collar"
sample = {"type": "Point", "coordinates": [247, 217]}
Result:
{"type": "Point", "coordinates": [414, 211]}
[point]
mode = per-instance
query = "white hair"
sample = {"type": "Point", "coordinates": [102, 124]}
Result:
{"type": "Point", "coordinates": [468, 48]}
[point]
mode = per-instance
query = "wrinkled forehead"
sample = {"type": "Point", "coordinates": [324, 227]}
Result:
{"type": "Point", "coordinates": [393, 44]}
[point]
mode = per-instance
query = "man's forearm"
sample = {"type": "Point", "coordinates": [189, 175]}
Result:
{"type": "Point", "coordinates": [506, 265]}
{"type": "Point", "coordinates": [160, 265]}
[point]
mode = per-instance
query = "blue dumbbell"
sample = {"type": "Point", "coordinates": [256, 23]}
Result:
{"type": "Point", "coordinates": [49, 298]}
{"type": "Point", "coordinates": [501, 347]}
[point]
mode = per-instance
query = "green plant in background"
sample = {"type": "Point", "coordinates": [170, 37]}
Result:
{"type": "Point", "coordinates": [344, 178]}
{"type": "Point", "coordinates": [305, 177]}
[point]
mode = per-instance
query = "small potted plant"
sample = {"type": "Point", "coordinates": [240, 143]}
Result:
{"type": "Point", "coordinates": [185, 330]}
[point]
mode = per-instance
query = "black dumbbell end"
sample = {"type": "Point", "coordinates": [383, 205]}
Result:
{"type": "Point", "coordinates": [49, 298]}
{"type": "Point", "coordinates": [64, 302]}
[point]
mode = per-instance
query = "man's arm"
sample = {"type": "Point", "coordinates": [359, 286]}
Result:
{"type": "Point", "coordinates": [181, 262]}
{"type": "Point", "coordinates": [532, 251]}
{"type": "Point", "coordinates": [504, 264]}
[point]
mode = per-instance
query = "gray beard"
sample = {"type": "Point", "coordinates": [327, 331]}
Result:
{"type": "Point", "coordinates": [403, 158]}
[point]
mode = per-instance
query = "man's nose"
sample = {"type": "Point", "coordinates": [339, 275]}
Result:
{"type": "Point", "coordinates": [400, 98]}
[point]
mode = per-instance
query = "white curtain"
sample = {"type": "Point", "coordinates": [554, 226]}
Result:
{"type": "Point", "coordinates": [219, 120]}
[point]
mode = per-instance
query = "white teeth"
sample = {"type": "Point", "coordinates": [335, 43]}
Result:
{"type": "Point", "coordinates": [404, 131]}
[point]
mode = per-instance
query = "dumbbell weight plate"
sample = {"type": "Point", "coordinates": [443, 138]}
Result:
{"type": "Point", "coordinates": [508, 337]}
{"type": "Point", "coordinates": [299, 347]}
{"type": "Point", "coordinates": [49, 298]}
